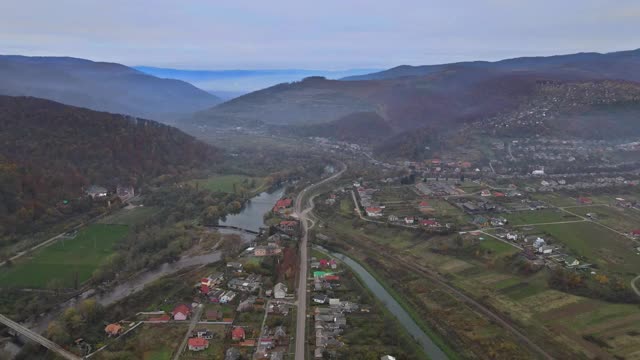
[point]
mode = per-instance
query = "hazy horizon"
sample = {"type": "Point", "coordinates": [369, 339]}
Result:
{"type": "Point", "coordinates": [331, 35]}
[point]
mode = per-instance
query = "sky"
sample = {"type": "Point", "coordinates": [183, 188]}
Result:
{"type": "Point", "coordinates": [320, 34]}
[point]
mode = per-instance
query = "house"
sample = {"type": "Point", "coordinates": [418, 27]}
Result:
{"type": "Point", "coordinates": [387, 357]}
{"type": "Point", "coordinates": [234, 266]}
{"type": "Point", "coordinates": [324, 263]}
{"type": "Point", "coordinates": [571, 261]}
{"type": "Point", "coordinates": [113, 330]}
{"type": "Point", "coordinates": [181, 312]}
{"type": "Point", "coordinates": [237, 334]}
{"type": "Point", "coordinates": [409, 220]}
{"type": "Point", "coordinates": [269, 250]}
{"type": "Point", "coordinates": [635, 233]}
{"type": "Point", "coordinates": [539, 242]}
{"type": "Point", "coordinates": [198, 344]}
{"type": "Point", "coordinates": [393, 218]}
{"type": "Point", "coordinates": [485, 193]}
{"type": "Point", "coordinates": [203, 333]}
{"type": "Point", "coordinates": [282, 205]}
{"type": "Point", "coordinates": [249, 284]}
{"type": "Point", "coordinates": [232, 353]}
{"type": "Point", "coordinates": [429, 223]}
{"type": "Point", "coordinates": [280, 291]}
{"type": "Point", "coordinates": [320, 299]}
{"type": "Point", "coordinates": [333, 264]}
{"type": "Point", "coordinates": [545, 249]}
{"type": "Point", "coordinates": [512, 237]}
{"type": "Point", "coordinates": [499, 194]}
{"type": "Point", "coordinates": [227, 297]}
{"type": "Point", "coordinates": [480, 221]}
{"type": "Point", "coordinates": [267, 342]}
{"type": "Point", "coordinates": [96, 191]}
{"type": "Point", "coordinates": [215, 295]}
{"type": "Point", "coordinates": [373, 211]}
{"type": "Point", "coordinates": [288, 225]}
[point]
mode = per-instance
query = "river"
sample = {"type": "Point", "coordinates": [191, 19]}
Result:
{"type": "Point", "coordinates": [251, 217]}
{"type": "Point", "coordinates": [430, 348]}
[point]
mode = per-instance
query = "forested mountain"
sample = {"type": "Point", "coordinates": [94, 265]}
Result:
{"type": "Point", "coordinates": [101, 86]}
{"type": "Point", "coordinates": [50, 152]}
{"type": "Point", "coordinates": [437, 99]}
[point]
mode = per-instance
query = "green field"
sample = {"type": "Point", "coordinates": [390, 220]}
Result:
{"type": "Point", "coordinates": [538, 217]}
{"type": "Point", "coordinates": [624, 220]}
{"type": "Point", "coordinates": [65, 258]}
{"type": "Point", "coordinates": [225, 183]}
{"type": "Point", "coordinates": [496, 246]}
{"type": "Point", "coordinates": [598, 244]}
{"type": "Point", "coordinates": [132, 216]}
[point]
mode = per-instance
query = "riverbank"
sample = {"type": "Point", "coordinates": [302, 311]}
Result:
{"type": "Point", "coordinates": [432, 345]}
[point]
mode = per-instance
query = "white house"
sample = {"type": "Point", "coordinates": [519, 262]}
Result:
{"type": "Point", "coordinates": [409, 220]}
{"type": "Point", "coordinates": [512, 237]}
{"type": "Point", "coordinates": [280, 291]}
{"type": "Point", "coordinates": [227, 297]}
{"type": "Point", "coordinates": [545, 249]}
{"type": "Point", "coordinates": [538, 243]}
{"type": "Point", "coordinates": [374, 211]}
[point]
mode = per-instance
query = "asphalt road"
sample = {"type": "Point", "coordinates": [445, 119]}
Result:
{"type": "Point", "coordinates": [302, 215]}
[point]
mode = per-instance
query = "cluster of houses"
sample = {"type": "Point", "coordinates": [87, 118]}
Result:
{"type": "Point", "coordinates": [366, 196]}
{"type": "Point", "coordinates": [484, 221]}
{"type": "Point", "coordinates": [550, 185]}
{"type": "Point", "coordinates": [439, 188]}
{"type": "Point", "coordinates": [477, 206]}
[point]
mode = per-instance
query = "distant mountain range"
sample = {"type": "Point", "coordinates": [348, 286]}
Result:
{"type": "Point", "coordinates": [228, 84]}
{"type": "Point", "coordinates": [101, 86]}
{"type": "Point", "coordinates": [438, 99]}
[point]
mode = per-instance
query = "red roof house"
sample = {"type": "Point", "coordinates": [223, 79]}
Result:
{"type": "Point", "coordinates": [282, 204]}
{"type": "Point", "coordinates": [237, 333]}
{"type": "Point", "coordinates": [429, 223]}
{"type": "Point", "coordinates": [636, 232]}
{"type": "Point", "coordinates": [331, 277]}
{"type": "Point", "coordinates": [198, 344]}
{"type": "Point", "coordinates": [424, 204]}
{"type": "Point", "coordinates": [498, 194]}
{"type": "Point", "coordinates": [204, 289]}
{"type": "Point", "coordinates": [181, 312]}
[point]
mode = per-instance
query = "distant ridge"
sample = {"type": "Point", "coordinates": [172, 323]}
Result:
{"type": "Point", "coordinates": [101, 86]}
{"type": "Point", "coordinates": [546, 63]}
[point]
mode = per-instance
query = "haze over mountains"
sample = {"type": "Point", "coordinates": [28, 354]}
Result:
{"type": "Point", "coordinates": [228, 84]}
{"type": "Point", "coordinates": [439, 98]}
{"type": "Point", "coordinates": [101, 86]}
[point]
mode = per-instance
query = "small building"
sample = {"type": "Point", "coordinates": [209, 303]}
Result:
{"type": "Point", "coordinates": [113, 330]}
{"type": "Point", "coordinates": [485, 193]}
{"type": "Point", "coordinates": [203, 333]}
{"type": "Point", "coordinates": [282, 205]}
{"type": "Point", "coordinates": [280, 291]}
{"type": "Point", "coordinates": [545, 249]}
{"type": "Point", "coordinates": [320, 299]}
{"type": "Point", "coordinates": [392, 218]}
{"type": "Point", "coordinates": [584, 200]}
{"type": "Point", "coordinates": [635, 233]}
{"type": "Point", "coordinates": [387, 357]}
{"type": "Point", "coordinates": [234, 266]}
{"type": "Point", "coordinates": [373, 211]}
{"type": "Point", "coordinates": [571, 261]}
{"type": "Point", "coordinates": [238, 334]}
{"type": "Point", "coordinates": [288, 225]}
{"type": "Point", "coordinates": [96, 191]}
{"type": "Point", "coordinates": [198, 344]}
{"type": "Point", "coordinates": [181, 312]}
{"type": "Point", "coordinates": [409, 220]}
{"type": "Point", "coordinates": [227, 297]}
{"type": "Point", "coordinates": [269, 250]}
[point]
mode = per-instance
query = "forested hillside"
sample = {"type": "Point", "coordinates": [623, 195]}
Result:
{"type": "Point", "coordinates": [50, 152]}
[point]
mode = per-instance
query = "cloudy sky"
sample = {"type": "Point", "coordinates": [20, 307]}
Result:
{"type": "Point", "coordinates": [320, 34]}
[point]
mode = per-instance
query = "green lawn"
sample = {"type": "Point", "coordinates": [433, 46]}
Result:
{"type": "Point", "coordinates": [496, 246]}
{"type": "Point", "coordinates": [162, 354]}
{"type": "Point", "coordinates": [133, 216]}
{"type": "Point", "coordinates": [624, 220]}
{"type": "Point", "coordinates": [598, 244]}
{"type": "Point", "coordinates": [538, 216]}
{"type": "Point", "coordinates": [65, 258]}
{"type": "Point", "coordinates": [225, 183]}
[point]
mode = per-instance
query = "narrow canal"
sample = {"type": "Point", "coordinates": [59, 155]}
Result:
{"type": "Point", "coordinates": [430, 348]}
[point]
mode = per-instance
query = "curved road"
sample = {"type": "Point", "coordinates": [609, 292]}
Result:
{"type": "Point", "coordinates": [302, 276]}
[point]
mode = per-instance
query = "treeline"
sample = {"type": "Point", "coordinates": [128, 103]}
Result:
{"type": "Point", "coordinates": [51, 152]}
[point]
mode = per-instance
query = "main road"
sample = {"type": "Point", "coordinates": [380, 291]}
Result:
{"type": "Point", "coordinates": [302, 215]}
